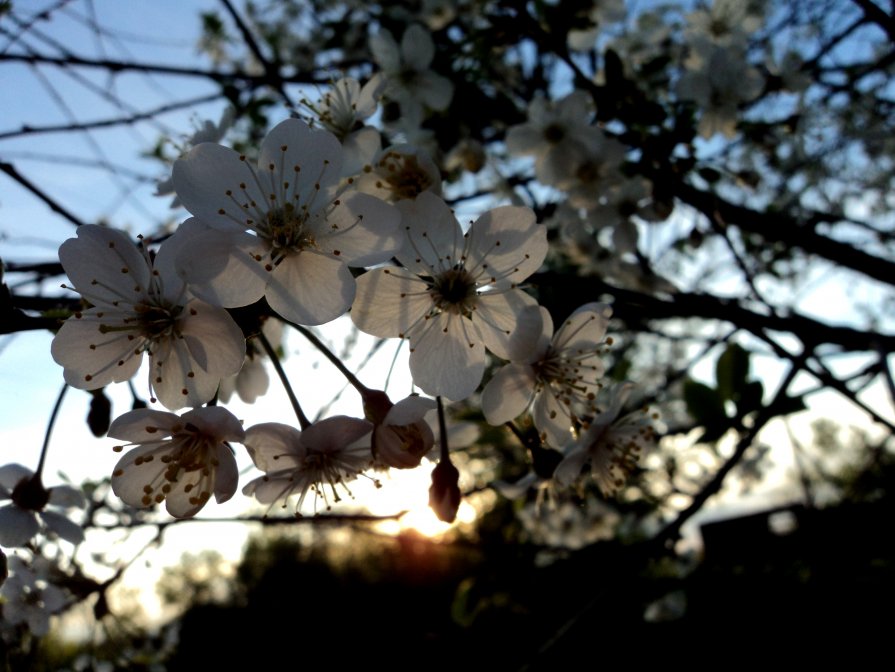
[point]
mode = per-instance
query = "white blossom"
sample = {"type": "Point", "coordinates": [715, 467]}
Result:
{"type": "Point", "coordinates": [411, 82]}
{"type": "Point", "coordinates": [612, 445]}
{"type": "Point", "coordinates": [29, 598]}
{"type": "Point", "coordinates": [457, 293]}
{"type": "Point", "coordinates": [329, 453]}
{"type": "Point", "coordinates": [400, 172]}
{"type": "Point", "coordinates": [559, 135]}
{"type": "Point", "coordinates": [33, 508]}
{"type": "Point", "coordinates": [283, 230]}
{"type": "Point", "coordinates": [558, 381]}
{"type": "Point", "coordinates": [178, 460]}
{"type": "Point", "coordinates": [342, 111]}
{"type": "Point", "coordinates": [140, 304]}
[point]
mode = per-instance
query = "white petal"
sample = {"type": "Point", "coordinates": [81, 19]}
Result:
{"type": "Point", "coordinates": [310, 288]}
{"type": "Point", "coordinates": [216, 422]}
{"type": "Point", "coordinates": [568, 470]}
{"type": "Point", "coordinates": [510, 329]}
{"type": "Point", "coordinates": [335, 433]}
{"type": "Point", "coordinates": [585, 328]}
{"type": "Point", "coordinates": [409, 410]}
{"type": "Point", "coordinates": [204, 177]}
{"type": "Point", "coordinates": [67, 497]}
{"type": "Point", "coordinates": [144, 424]}
{"type": "Point", "coordinates": [92, 359]}
{"type": "Point", "coordinates": [552, 418]}
{"type": "Point", "coordinates": [362, 230]}
{"type": "Point", "coordinates": [129, 478]}
{"type": "Point", "coordinates": [447, 357]}
{"type": "Point", "coordinates": [434, 239]}
{"type": "Point", "coordinates": [269, 489]}
{"type": "Point", "coordinates": [274, 446]}
{"type": "Point", "coordinates": [187, 370]}
{"type": "Point", "coordinates": [389, 301]}
{"type": "Point", "coordinates": [508, 393]}
{"type": "Point", "coordinates": [359, 149]}
{"type": "Point", "coordinates": [310, 160]}
{"type": "Point", "coordinates": [226, 478]}
{"type": "Point", "coordinates": [63, 527]}
{"type": "Point", "coordinates": [223, 267]}
{"type": "Point", "coordinates": [434, 90]}
{"type": "Point", "coordinates": [417, 47]}
{"type": "Point", "coordinates": [11, 474]}
{"type": "Point", "coordinates": [524, 139]}
{"type": "Point", "coordinates": [17, 526]}
{"type": "Point", "coordinates": [510, 241]}
{"type": "Point", "coordinates": [105, 264]}
{"type": "Point", "coordinates": [385, 51]}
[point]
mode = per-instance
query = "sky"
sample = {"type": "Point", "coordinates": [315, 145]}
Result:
{"type": "Point", "coordinates": [164, 32]}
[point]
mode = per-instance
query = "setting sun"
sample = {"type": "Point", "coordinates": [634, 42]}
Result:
{"type": "Point", "coordinates": [408, 490]}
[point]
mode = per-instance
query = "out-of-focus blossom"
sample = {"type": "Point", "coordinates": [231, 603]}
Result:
{"type": "Point", "coordinates": [601, 13]}
{"type": "Point", "coordinates": [207, 132]}
{"type": "Point", "coordinates": [559, 135]}
{"type": "Point", "coordinates": [399, 173]}
{"type": "Point", "coordinates": [29, 597]}
{"type": "Point", "coordinates": [411, 82]}
{"type": "Point", "coordinates": [252, 380]}
{"type": "Point", "coordinates": [718, 80]}
{"type": "Point", "coordinates": [33, 508]}
{"type": "Point", "coordinates": [342, 111]}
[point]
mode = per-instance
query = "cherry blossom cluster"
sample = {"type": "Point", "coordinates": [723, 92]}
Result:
{"type": "Point", "coordinates": [319, 223]}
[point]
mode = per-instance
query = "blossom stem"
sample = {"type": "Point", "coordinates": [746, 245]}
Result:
{"type": "Point", "coordinates": [331, 356]}
{"type": "Point", "coordinates": [52, 422]}
{"type": "Point", "coordinates": [268, 348]}
{"type": "Point", "coordinates": [442, 430]}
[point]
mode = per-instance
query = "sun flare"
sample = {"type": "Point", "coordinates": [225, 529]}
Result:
{"type": "Point", "coordinates": [408, 491]}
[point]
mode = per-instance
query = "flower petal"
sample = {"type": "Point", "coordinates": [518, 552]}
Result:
{"type": "Point", "coordinates": [310, 288]}
{"type": "Point", "coordinates": [508, 393]}
{"type": "Point", "coordinates": [509, 325]}
{"type": "Point", "coordinates": [361, 230]}
{"type": "Point", "coordinates": [223, 267]}
{"type": "Point", "coordinates": [98, 261]}
{"type": "Point", "coordinates": [218, 186]}
{"type": "Point", "coordinates": [389, 301]}
{"type": "Point", "coordinates": [93, 359]}
{"type": "Point", "coordinates": [308, 160]}
{"type": "Point", "coordinates": [63, 527]}
{"type": "Point", "coordinates": [144, 424]}
{"type": "Point", "coordinates": [274, 446]}
{"type": "Point", "coordinates": [447, 357]}
{"type": "Point", "coordinates": [17, 526]}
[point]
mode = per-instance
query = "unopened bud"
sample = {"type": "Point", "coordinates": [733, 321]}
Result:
{"type": "Point", "coordinates": [100, 415]}
{"type": "Point", "coordinates": [444, 493]}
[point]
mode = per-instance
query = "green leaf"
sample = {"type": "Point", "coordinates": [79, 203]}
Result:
{"type": "Point", "coordinates": [786, 405]}
{"type": "Point", "coordinates": [704, 403]}
{"type": "Point", "coordinates": [750, 397]}
{"type": "Point", "coordinates": [731, 372]}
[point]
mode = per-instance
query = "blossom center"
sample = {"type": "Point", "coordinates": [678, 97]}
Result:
{"type": "Point", "coordinates": [454, 291]}
{"type": "Point", "coordinates": [554, 133]}
{"type": "Point", "coordinates": [286, 229]}
{"type": "Point", "coordinates": [404, 177]}
{"type": "Point", "coordinates": [156, 320]}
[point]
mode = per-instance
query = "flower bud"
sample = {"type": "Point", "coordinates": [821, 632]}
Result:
{"type": "Point", "coordinates": [444, 493]}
